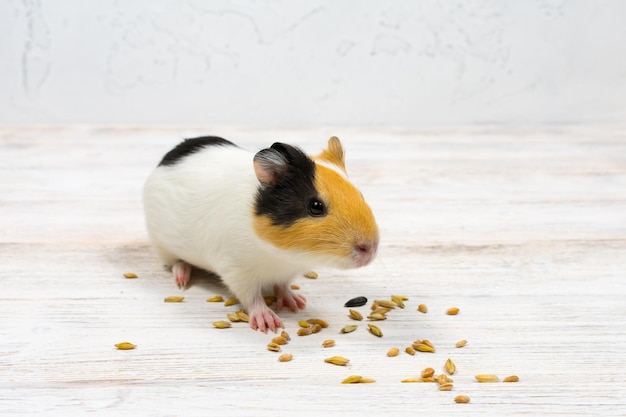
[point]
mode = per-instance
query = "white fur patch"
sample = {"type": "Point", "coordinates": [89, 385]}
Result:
{"type": "Point", "coordinates": [333, 167]}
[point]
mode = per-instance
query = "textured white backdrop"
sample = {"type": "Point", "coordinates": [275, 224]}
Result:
{"type": "Point", "coordinates": [297, 63]}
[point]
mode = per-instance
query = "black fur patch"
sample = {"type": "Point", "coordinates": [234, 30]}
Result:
{"type": "Point", "coordinates": [287, 199]}
{"type": "Point", "coordinates": [189, 146]}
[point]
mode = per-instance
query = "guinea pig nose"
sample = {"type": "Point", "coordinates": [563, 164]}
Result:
{"type": "Point", "coordinates": [365, 252]}
{"type": "Point", "coordinates": [365, 248]}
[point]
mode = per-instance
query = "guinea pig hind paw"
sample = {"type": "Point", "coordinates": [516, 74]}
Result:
{"type": "Point", "coordinates": [287, 298]}
{"type": "Point", "coordinates": [293, 302]}
{"type": "Point", "coordinates": [182, 272]}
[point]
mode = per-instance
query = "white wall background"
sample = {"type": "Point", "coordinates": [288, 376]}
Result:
{"type": "Point", "coordinates": [301, 63]}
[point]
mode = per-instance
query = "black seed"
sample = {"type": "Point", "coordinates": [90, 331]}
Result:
{"type": "Point", "coordinates": [356, 302]}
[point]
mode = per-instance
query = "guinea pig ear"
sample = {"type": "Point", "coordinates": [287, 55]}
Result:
{"type": "Point", "coordinates": [269, 166]}
{"type": "Point", "coordinates": [334, 153]}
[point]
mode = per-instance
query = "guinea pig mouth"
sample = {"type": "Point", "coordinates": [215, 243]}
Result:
{"type": "Point", "coordinates": [364, 253]}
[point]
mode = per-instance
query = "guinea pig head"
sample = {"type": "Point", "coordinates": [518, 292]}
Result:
{"type": "Point", "coordinates": [308, 205]}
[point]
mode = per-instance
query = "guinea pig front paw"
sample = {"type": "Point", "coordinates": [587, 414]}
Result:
{"type": "Point", "coordinates": [287, 298]}
{"type": "Point", "coordinates": [265, 319]}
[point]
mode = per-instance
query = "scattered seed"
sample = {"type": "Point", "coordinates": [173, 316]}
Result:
{"type": "Point", "coordinates": [130, 275]}
{"type": "Point", "coordinates": [377, 317]}
{"type": "Point", "coordinates": [321, 322]}
{"type": "Point", "coordinates": [231, 301]}
{"type": "Point", "coordinates": [386, 303]}
{"type": "Point", "coordinates": [422, 342]}
{"type": "Point", "coordinates": [422, 308]}
{"type": "Point", "coordinates": [304, 324]}
{"type": "Point", "coordinates": [393, 352]}
{"type": "Point", "coordinates": [285, 335]}
{"type": "Point", "coordinates": [375, 330]}
{"type": "Point", "coordinates": [233, 317]}
{"type": "Point", "coordinates": [269, 300]}
{"type": "Point", "coordinates": [349, 328]}
{"type": "Point", "coordinates": [486, 378]}
{"type": "Point", "coordinates": [461, 343]}
{"type": "Point", "coordinates": [364, 380]}
{"type": "Point", "coordinates": [294, 286]}
{"type": "Point", "coordinates": [316, 328]}
{"type": "Point", "coordinates": [452, 311]}
{"type": "Point", "coordinates": [446, 387]}
{"type": "Point", "coordinates": [412, 380]}
{"type": "Point", "coordinates": [375, 306]}
{"type": "Point", "coordinates": [243, 316]}
{"type": "Point", "coordinates": [512, 378]}
{"type": "Point", "coordinates": [428, 343]}
{"type": "Point", "coordinates": [381, 310]}
{"type": "Point", "coordinates": [279, 340]}
{"type": "Point", "coordinates": [355, 315]}
{"type": "Point", "coordinates": [304, 331]}
{"type": "Point", "coordinates": [461, 399]}
{"type": "Point", "coordinates": [356, 302]}
{"type": "Point", "coordinates": [221, 324]}
{"type": "Point", "coordinates": [398, 300]}
{"type": "Point", "coordinates": [285, 357]}
{"type": "Point", "coordinates": [357, 379]}
{"type": "Point", "coordinates": [429, 379]}
{"type": "Point", "coordinates": [410, 350]}
{"type": "Point", "coordinates": [425, 342]}
{"type": "Point", "coordinates": [421, 347]}
{"type": "Point", "coordinates": [352, 379]}
{"type": "Point", "coordinates": [443, 379]}
{"type": "Point", "coordinates": [337, 360]}
{"type": "Point", "coordinates": [311, 275]}
{"type": "Point", "coordinates": [273, 347]}
{"type": "Point", "coordinates": [328, 343]}
{"type": "Point", "coordinates": [428, 372]}
{"type": "Point", "coordinates": [174, 299]}
{"type": "Point", "coordinates": [125, 346]}
{"type": "Point", "coordinates": [215, 299]}
{"type": "Point", "coordinates": [450, 367]}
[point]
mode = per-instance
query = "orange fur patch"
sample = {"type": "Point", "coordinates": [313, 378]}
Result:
{"type": "Point", "coordinates": [349, 221]}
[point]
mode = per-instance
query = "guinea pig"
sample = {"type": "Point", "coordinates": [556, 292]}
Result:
{"type": "Point", "coordinates": [257, 220]}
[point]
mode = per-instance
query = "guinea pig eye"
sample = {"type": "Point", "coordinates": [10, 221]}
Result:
{"type": "Point", "coordinates": [316, 208]}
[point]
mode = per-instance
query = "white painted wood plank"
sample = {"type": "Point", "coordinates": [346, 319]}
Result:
{"type": "Point", "coordinates": [525, 231]}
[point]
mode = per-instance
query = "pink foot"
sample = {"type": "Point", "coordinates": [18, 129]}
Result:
{"type": "Point", "coordinates": [287, 298]}
{"type": "Point", "coordinates": [182, 272]}
{"type": "Point", "coordinates": [262, 318]}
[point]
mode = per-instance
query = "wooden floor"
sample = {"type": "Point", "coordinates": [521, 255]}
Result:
{"type": "Point", "coordinates": [523, 229]}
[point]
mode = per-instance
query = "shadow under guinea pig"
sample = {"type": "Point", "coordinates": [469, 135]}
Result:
{"type": "Point", "coordinates": [140, 259]}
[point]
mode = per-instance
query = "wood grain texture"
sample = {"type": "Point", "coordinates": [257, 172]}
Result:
{"type": "Point", "coordinates": [523, 230]}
